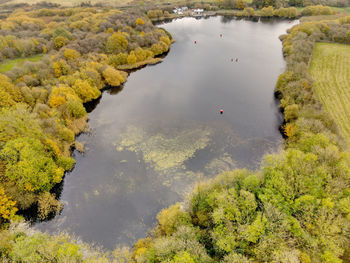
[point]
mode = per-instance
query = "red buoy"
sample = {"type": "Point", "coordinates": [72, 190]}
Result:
{"type": "Point", "coordinates": [220, 35]}
{"type": "Point", "coordinates": [195, 42]}
{"type": "Point", "coordinates": [221, 111]}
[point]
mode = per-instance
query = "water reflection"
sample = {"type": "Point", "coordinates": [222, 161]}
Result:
{"type": "Point", "coordinates": [152, 139]}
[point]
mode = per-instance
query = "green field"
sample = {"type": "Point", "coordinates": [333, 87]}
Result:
{"type": "Point", "coordinates": [9, 64]}
{"type": "Point", "coordinates": [70, 3]}
{"type": "Point", "coordinates": [112, 2]}
{"type": "Point", "coordinates": [345, 10]}
{"type": "Point", "coordinates": [330, 70]}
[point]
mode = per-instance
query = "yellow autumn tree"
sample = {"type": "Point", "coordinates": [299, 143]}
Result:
{"type": "Point", "coordinates": [71, 54]}
{"type": "Point", "coordinates": [7, 86]}
{"type": "Point", "coordinates": [7, 206]}
{"type": "Point", "coordinates": [132, 59]}
{"type": "Point", "coordinates": [140, 54]}
{"type": "Point", "coordinates": [60, 41]}
{"type": "Point", "coordinates": [117, 43]}
{"type": "Point", "coordinates": [59, 95]}
{"type": "Point", "coordinates": [139, 21]}
{"type": "Point", "coordinates": [113, 77]}
{"type": "Point", "coordinates": [241, 4]}
{"type": "Point", "coordinates": [85, 91]}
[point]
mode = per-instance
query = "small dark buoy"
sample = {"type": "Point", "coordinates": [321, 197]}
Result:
{"type": "Point", "coordinates": [220, 35]}
{"type": "Point", "coordinates": [231, 59]}
{"type": "Point", "coordinates": [221, 111]}
{"type": "Point", "coordinates": [236, 59]}
{"type": "Point", "coordinates": [195, 42]}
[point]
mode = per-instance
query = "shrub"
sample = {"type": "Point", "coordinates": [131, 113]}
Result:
{"type": "Point", "coordinates": [60, 41]}
{"type": "Point", "coordinates": [75, 109]}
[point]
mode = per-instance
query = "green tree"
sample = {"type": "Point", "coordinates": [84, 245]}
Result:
{"type": "Point", "coordinates": [28, 164]}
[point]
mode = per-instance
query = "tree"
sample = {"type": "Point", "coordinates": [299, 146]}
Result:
{"type": "Point", "coordinates": [117, 43]}
{"type": "Point", "coordinates": [28, 164]}
{"type": "Point", "coordinates": [71, 54]}
{"type": "Point", "coordinates": [139, 21]}
{"type": "Point", "coordinates": [248, 11]}
{"type": "Point", "coordinates": [60, 94]}
{"type": "Point", "coordinates": [131, 58]}
{"type": "Point", "coordinates": [267, 11]}
{"type": "Point", "coordinates": [113, 77]}
{"type": "Point", "coordinates": [48, 204]}
{"type": "Point", "coordinates": [85, 91]}
{"type": "Point", "coordinates": [60, 41]}
{"type": "Point", "coordinates": [7, 206]}
{"type": "Point", "coordinates": [241, 4]}
{"type": "Point", "coordinates": [117, 60]}
{"type": "Point", "coordinates": [13, 92]}
{"type": "Point", "coordinates": [75, 109]}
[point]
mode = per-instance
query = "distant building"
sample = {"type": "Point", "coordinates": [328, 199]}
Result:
{"type": "Point", "coordinates": [197, 12]}
{"type": "Point", "coordinates": [178, 11]}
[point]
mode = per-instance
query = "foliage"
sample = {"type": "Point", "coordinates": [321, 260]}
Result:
{"type": "Point", "coordinates": [29, 165]}
{"type": "Point", "coordinates": [139, 21]}
{"type": "Point", "coordinates": [71, 54]}
{"type": "Point", "coordinates": [317, 10]}
{"type": "Point", "coordinates": [85, 91]}
{"type": "Point", "coordinates": [48, 204]}
{"type": "Point", "coordinates": [113, 77]}
{"type": "Point", "coordinates": [19, 243]}
{"type": "Point", "coordinates": [117, 43]}
{"type": "Point", "coordinates": [60, 41]}
{"type": "Point", "coordinates": [7, 206]}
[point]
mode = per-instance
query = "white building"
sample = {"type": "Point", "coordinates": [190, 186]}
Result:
{"type": "Point", "coordinates": [197, 12]}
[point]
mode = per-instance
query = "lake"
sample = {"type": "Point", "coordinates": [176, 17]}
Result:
{"type": "Point", "coordinates": [151, 140]}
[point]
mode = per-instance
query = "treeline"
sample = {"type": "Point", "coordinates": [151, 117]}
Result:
{"type": "Point", "coordinates": [284, 12]}
{"type": "Point", "coordinates": [259, 4]}
{"type": "Point", "coordinates": [295, 209]}
{"type": "Point", "coordinates": [20, 243]}
{"type": "Point", "coordinates": [246, 11]}
{"type": "Point", "coordinates": [42, 103]}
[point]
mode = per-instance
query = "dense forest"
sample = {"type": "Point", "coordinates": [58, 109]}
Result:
{"type": "Point", "coordinates": [296, 208]}
{"type": "Point", "coordinates": [79, 51]}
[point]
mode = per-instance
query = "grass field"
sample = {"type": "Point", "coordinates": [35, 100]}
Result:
{"type": "Point", "coordinates": [345, 10]}
{"type": "Point", "coordinates": [9, 64]}
{"type": "Point", "coordinates": [330, 70]}
{"type": "Point", "coordinates": [71, 3]}
{"type": "Point", "coordinates": [321, 18]}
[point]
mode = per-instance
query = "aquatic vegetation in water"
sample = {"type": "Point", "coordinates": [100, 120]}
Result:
{"type": "Point", "coordinates": [163, 151]}
{"type": "Point", "coordinates": [221, 164]}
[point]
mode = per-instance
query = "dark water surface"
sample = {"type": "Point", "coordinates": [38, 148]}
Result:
{"type": "Point", "coordinates": [151, 140]}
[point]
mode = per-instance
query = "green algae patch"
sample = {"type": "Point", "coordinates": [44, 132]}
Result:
{"type": "Point", "coordinates": [163, 151]}
{"type": "Point", "coordinates": [221, 164]}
